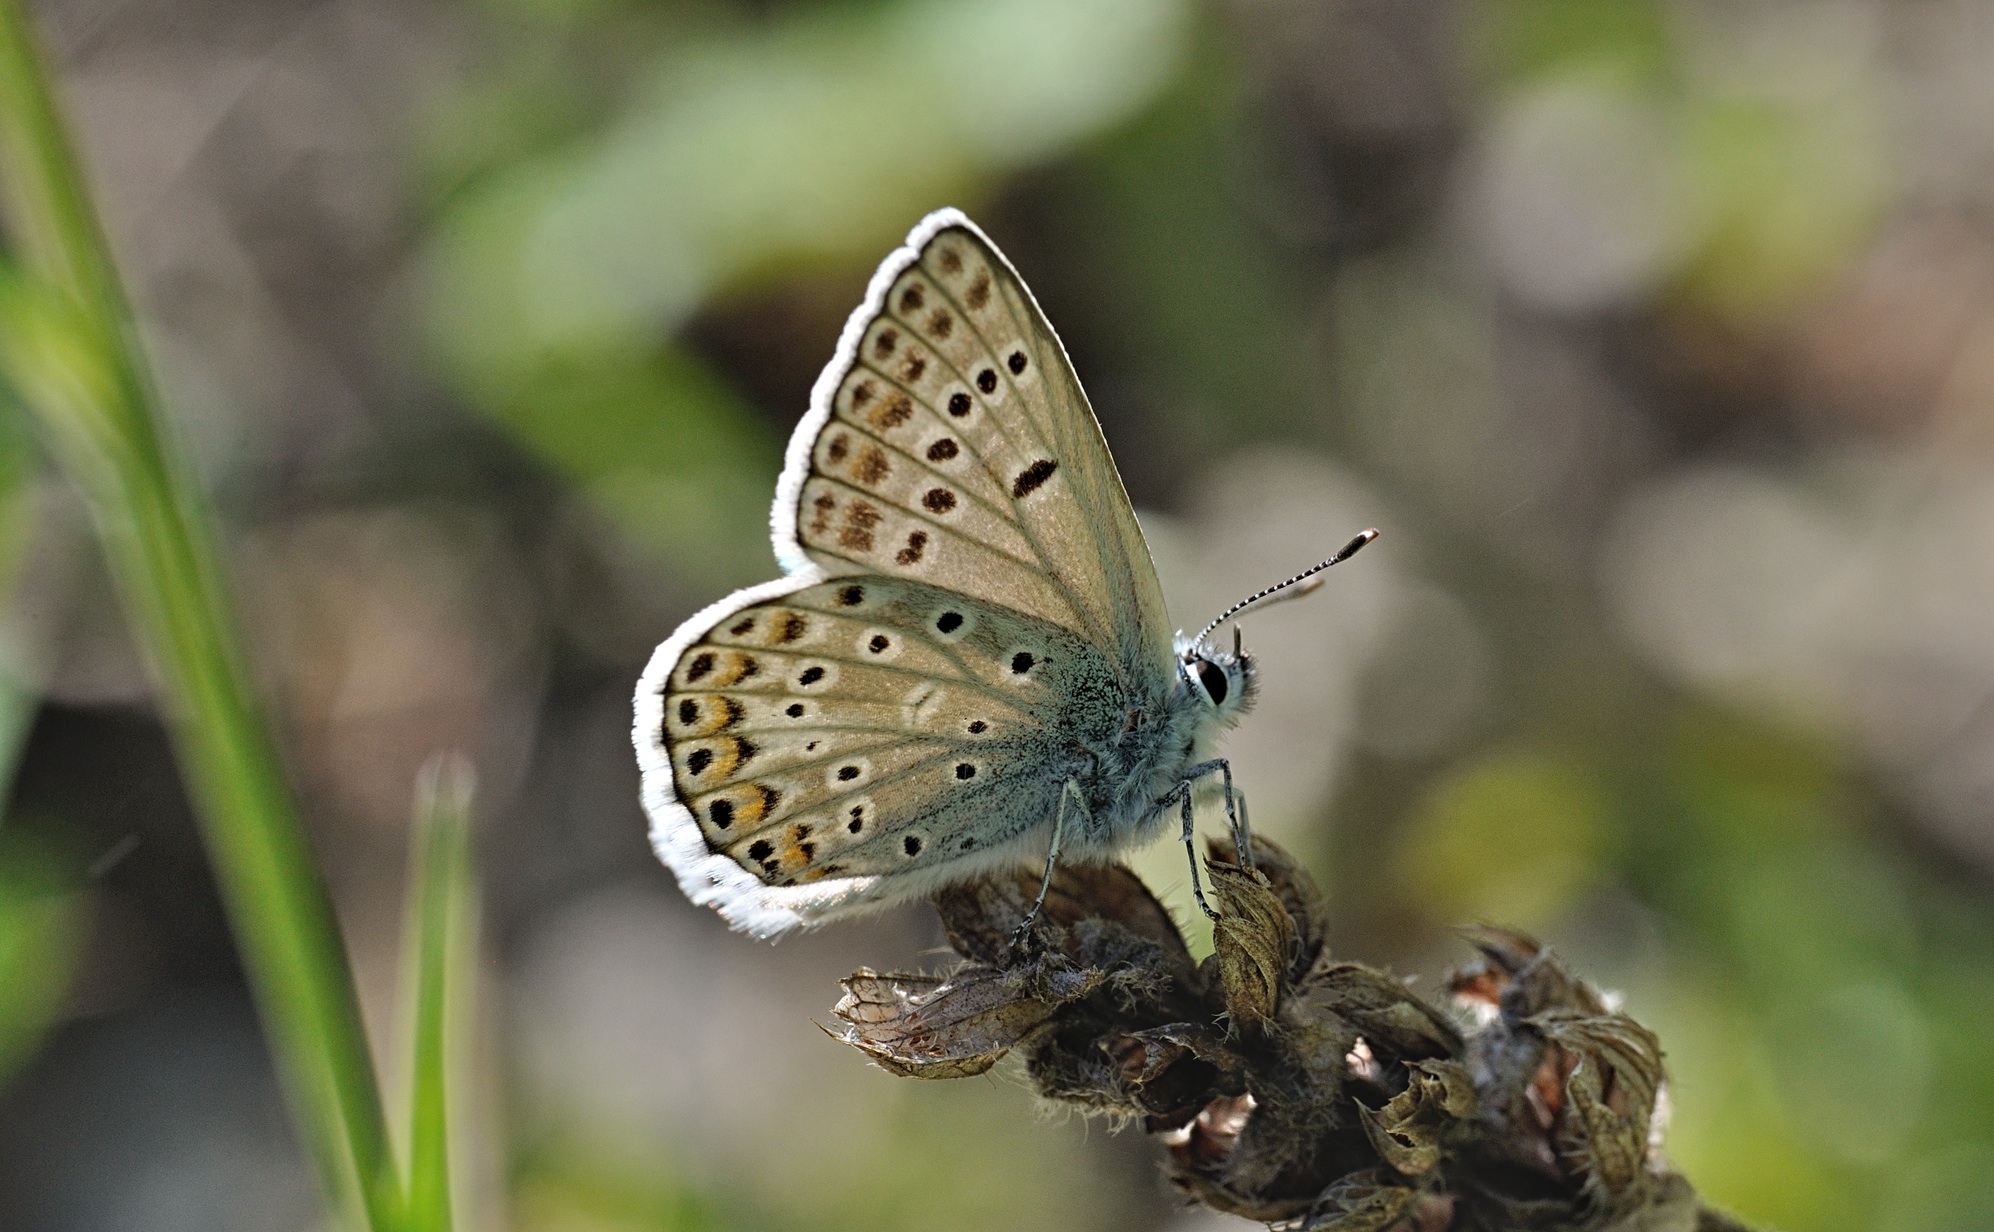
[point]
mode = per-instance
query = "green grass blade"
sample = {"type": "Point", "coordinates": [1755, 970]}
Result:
{"type": "Point", "coordinates": [437, 962]}
{"type": "Point", "coordinates": [68, 351]}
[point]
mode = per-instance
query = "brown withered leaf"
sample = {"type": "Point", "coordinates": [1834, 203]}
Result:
{"type": "Point", "coordinates": [1396, 1022]}
{"type": "Point", "coordinates": [981, 916]}
{"type": "Point", "coordinates": [1172, 1071]}
{"type": "Point", "coordinates": [1410, 1129]}
{"type": "Point", "coordinates": [1519, 976]}
{"type": "Point", "coordinates": [1361, 1202]}
{"type": "Point", "coordinates": [1293, 885]}
{"type": "Point", "coordinates": [1612, 1070]}
{"type": "Point", "coordinates": [1253, 940]}
{"type": "Point", "coordinates": [921, 1026]}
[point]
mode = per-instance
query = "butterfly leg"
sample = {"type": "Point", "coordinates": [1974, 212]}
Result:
{"type": "Point", "coordinates": [1070, 792]}
{"type": "Point", "coordinates": [1235, 807]}
{"type": "Point", "coordinates": [1190, 849]}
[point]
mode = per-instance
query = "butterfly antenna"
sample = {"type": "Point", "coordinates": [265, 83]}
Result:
{"type": "Point", "coordinates": [1345, 553]}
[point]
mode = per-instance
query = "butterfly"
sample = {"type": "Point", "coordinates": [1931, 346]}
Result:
{"type": "Point", "coordinates": [967, 664]}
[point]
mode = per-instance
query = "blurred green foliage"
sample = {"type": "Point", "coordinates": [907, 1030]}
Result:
{"type": "Point", "coordinates": [618, 171]}
{"type": "Point", "coordinates": [1819, 992]}
{"type": "Point", "coordinates": [43, 919]}
{"type": "Point", "coordinates": [743, 154]}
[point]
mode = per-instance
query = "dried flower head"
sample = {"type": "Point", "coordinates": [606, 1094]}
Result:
{"type": "Point", "coordinates": [1288, 1085]}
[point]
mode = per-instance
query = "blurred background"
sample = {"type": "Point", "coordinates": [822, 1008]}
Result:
{"type": "Point", "coordinates": [1657, 335]}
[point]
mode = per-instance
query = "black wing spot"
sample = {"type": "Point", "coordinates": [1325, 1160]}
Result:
{"type": "Point", "coordinates": [1033, 477]}
{"type": "Point", "coordinates": [847, 773]}
{"type": "Point", "coordinates": [793, 628]}
{"type": "Point", "coordinates": [916, 364]}
{"type": "Point", "coordinates": [851, 596]}
{"type": "Point", "coordinates": [1023, 662]}
{"type": "Point", "coordinates": [760, 850]}
{"type": "Point", "coordinates": [986, 380]}
{"type": "Point", "coordinates": [809, 851]}
{"type": "Point", "coordinates": [883, 345]}
{"type": "Point", "coordinates": [861, 394]}
{"type": "Point", "coordinates": [942, 450]}
{"type": "Point", "coordinates": [1016, 362]}
{"type": "Point", "coordinates": [959, 405]}
{"type": "Point", "coordinates": [795, 710]}
{"type": "Point", "coordinates": [941, 323]}
{"type": "Point", "coordinates": [855, 825]}
{"type": "Point", "coordinates": [917, 544]}
{"type": "Point", "coordinates": [948, 622]}
{"type": "Point", "coordinates": [938, 500]}
{"type": "Point", "coordinates": [977, 727]}
{"type": "Point", "coordinates": [744, 628]}
{"type": "Point", "coordinates": [721, 814]}
{"type": "Point", "coordinates": [770, 798]}
{"type": "Point", "coordinates": [698, 760]}
{"type": "Point", "coordinates": [879, 644]}
{"type": "Point", "coordinates": [744, 751]}
{"type": "Point", "coordinates": [911, 299]}
{"type": "Point", "coordinates": [964, 770]}
{"type": "Point", "coordinates": [688, 712]}
{"type": "Point", "coordinates": [911, 844]}
{"type": "Point", "coordinates": [701, 664]}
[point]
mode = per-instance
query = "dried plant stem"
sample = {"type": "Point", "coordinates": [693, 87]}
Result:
{"type": "Point", "coordinates": [71, 358]}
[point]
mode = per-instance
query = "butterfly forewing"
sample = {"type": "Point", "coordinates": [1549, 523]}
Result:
{"type": "Point", "coordinates": [962, 452]}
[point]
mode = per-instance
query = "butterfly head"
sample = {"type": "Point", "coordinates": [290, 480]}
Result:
{"type": "Point", "coordinates": [1226, 681]}
{"type": "Point", "coordinates": [1223, 680]}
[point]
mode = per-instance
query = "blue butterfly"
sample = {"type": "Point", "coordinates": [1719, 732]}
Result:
{"type": "Point", "coordinates": [967, 663]}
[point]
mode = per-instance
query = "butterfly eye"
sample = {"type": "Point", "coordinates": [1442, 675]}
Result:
{"type": "Point", "coordinates": [1212, 677]}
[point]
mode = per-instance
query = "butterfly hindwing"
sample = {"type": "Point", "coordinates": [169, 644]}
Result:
{"type": "Point", "coordinates": [867, 727]}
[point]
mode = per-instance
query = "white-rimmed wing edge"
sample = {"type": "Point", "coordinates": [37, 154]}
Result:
{"type": "Point", "coordinates": [707, 877]}
{"type": "Point", "coordinates": [710, 878]}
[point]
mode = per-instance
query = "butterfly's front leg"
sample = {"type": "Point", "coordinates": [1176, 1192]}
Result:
{"type": "Point", "coordinates": [1183, 791]}
{"type": "Point", "coordinates": [1071, 792]}
{"type": "Point", "coordinates": [1235, 805]}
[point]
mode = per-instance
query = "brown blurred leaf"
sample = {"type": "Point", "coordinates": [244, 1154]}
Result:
{"type": "Point", "coordinates": [1361, 1202]}
{"type": "Point", "coordinates": [1253, 939]}
{"type": "Point", "coordinates": [922, 1026]}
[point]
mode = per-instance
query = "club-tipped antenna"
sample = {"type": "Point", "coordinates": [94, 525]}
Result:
{"type": "Point", "coordinates": [1345, 553]}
